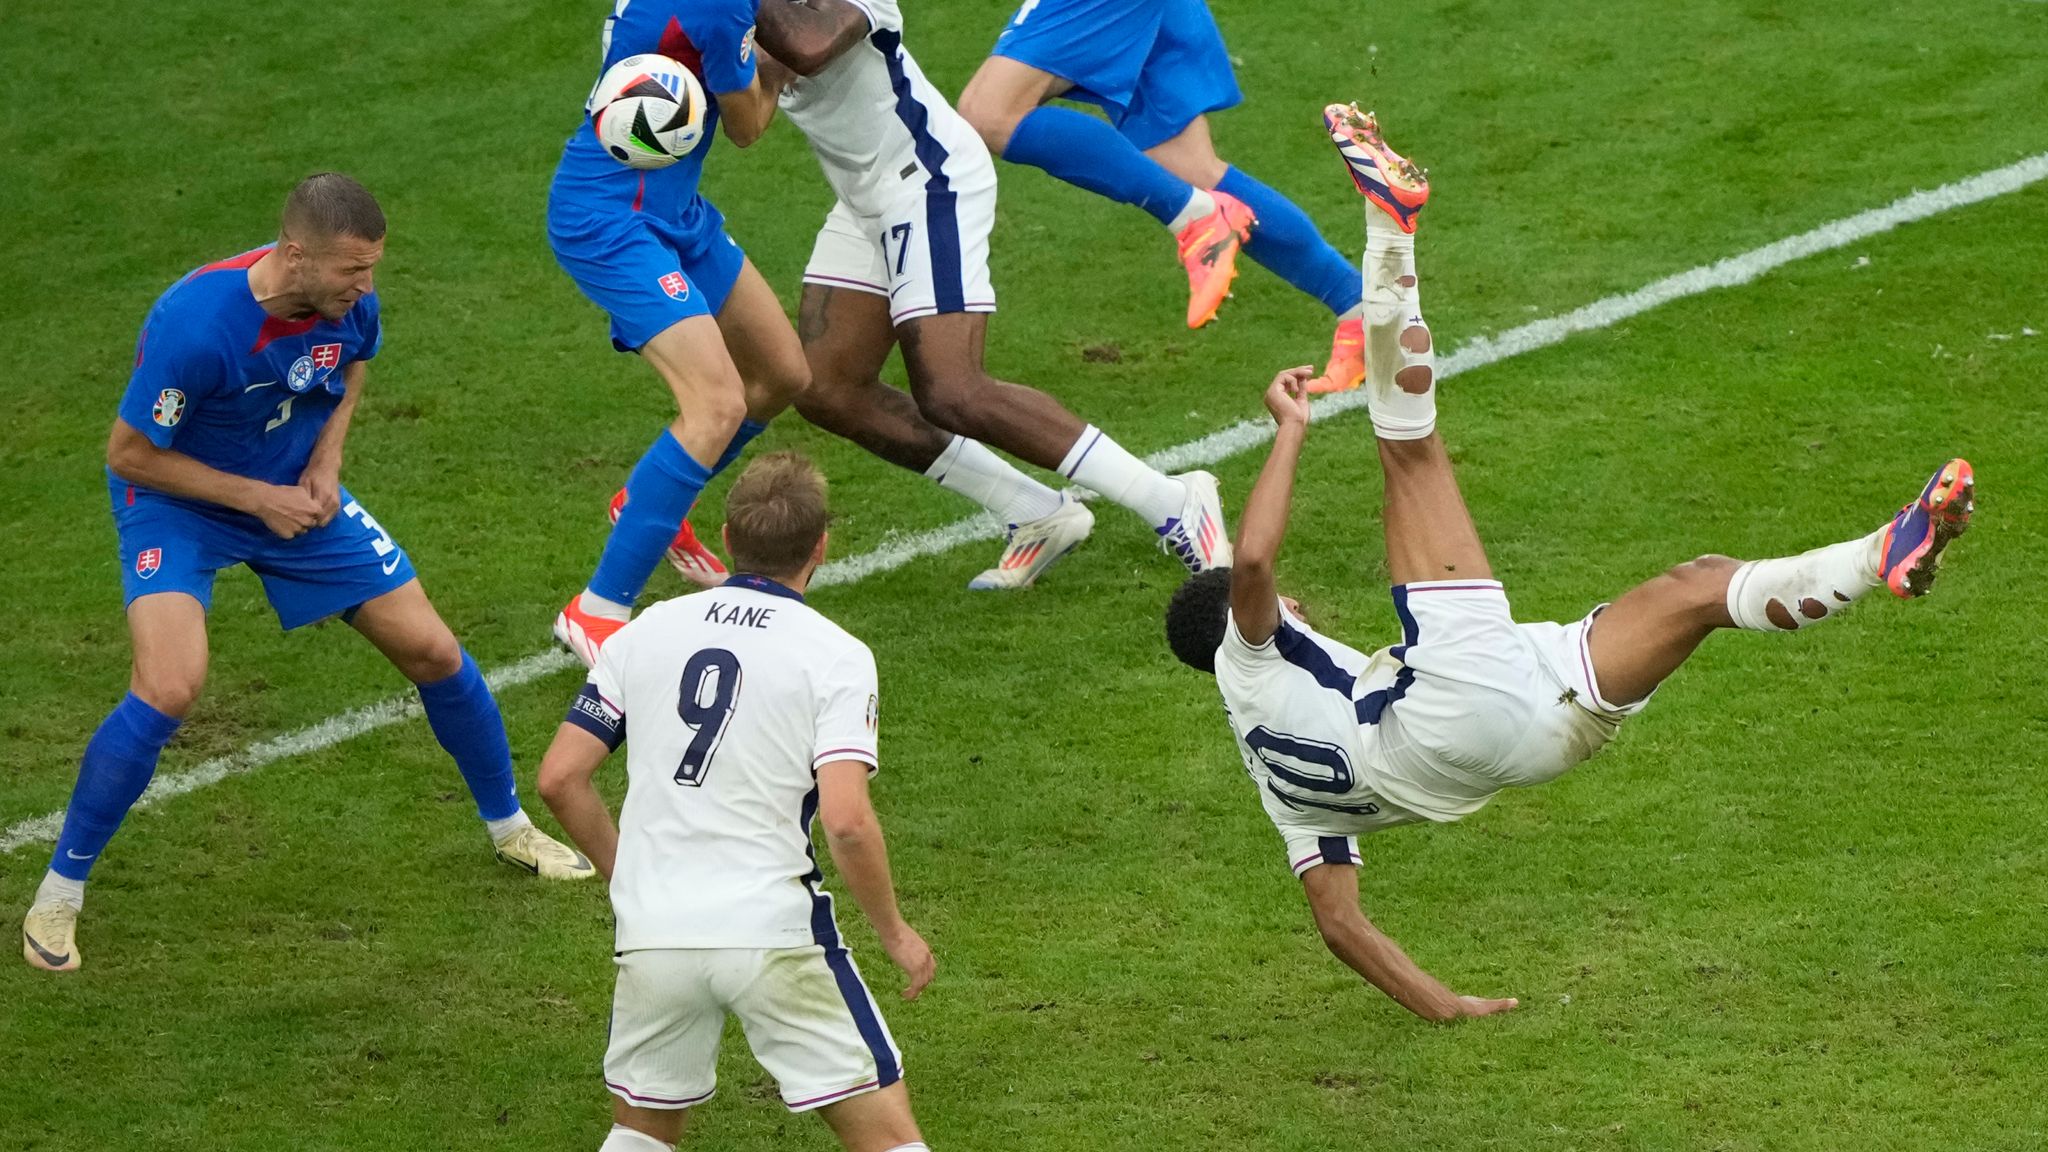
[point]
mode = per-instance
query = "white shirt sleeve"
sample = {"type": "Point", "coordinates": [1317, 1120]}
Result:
{"type": "Point", "coordinates": [847, 704]}
{"type": "Point", "coordinates": [1240, 653]}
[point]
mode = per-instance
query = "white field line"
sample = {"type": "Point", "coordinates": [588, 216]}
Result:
{"type": "Point", "coordinates": [1219, 445]}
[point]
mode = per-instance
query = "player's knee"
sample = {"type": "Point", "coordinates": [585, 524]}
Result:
{"type": "Point", "coordinates": [1703, 581]}
{"type": "Point", "coordinates": [949, 403]}
{"type": "Point", "coordinates": [169, 691]}
{"type": "Point", "coordinates": [431, 658]}
{"type": "Point", "coordinates": [993, 117]}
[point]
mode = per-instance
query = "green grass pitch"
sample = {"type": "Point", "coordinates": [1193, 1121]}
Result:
{"type": "Point", "coordinates": [1802, 902]}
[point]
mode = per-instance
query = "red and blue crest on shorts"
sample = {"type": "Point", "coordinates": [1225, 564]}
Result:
{"type": "Point", "coordinates": [676, 286]}
{"type": "Point", "coordinates": [148, 561]}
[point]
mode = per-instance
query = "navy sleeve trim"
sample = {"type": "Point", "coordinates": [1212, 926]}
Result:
{"type": "Point", "coordinates": [595, 715]}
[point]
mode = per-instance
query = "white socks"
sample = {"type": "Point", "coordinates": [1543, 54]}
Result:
{"type": "Point", "coordinates": [61, 890]}
{"type": "Point", "coordinates": [499, 829]}
{"type": "Point", "coordinates": [1400, 356]}
{"type": "Point", "coordinates": [1099, 463]}
{"type": "Point", "coordinates": [1199, 205]}
{"type": "Point", "coordinates": [969, 468]}
{"type": "Point", "coordinates": [609, 609]}
{"type": "Point", "coordinates": [624, 1139]}
{"type": "Point", "coordinates": [1793, 591]}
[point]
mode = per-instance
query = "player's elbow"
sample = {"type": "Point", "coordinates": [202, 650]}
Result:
{"type": "Point", "coordinates": [847, 823]}
{"type": "Point", "coordinates": [127, 450]}
{"type": "Point", "coordinates": [558, 782]}
{"type": "Point", "coordinates": [806, 55]}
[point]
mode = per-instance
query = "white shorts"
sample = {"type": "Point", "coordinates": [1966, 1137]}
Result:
{"type": "Point", "coordinates": [928, 255]}
{"type": "Point", "coordinates": [808, 1017]}
{"type": "Point", "coordinates": [1482, 704]}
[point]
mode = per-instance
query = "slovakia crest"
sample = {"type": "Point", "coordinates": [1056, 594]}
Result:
{"type": "Point", "coordinates": [169, 408]}
{"type": "Point", "coordinates": [148, 561]}
{"type": "Point", "coordinates": [326, 356]}
{"type": "Point", "coordinates": [300, 377]}
{"type": "Point", "coordinates": [676, 286]}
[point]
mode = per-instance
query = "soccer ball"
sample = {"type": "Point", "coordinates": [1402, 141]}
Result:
{"type": "Point", "coordinates": [648, 111]}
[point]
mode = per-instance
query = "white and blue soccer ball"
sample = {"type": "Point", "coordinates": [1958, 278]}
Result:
{"type": "Point", "coordinates": [648, 111]}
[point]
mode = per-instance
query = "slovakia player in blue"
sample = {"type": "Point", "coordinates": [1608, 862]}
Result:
{"type": "Point", "coordinates": [1157, 68]}
{"type": "Point", "coordinates": [227, 451]}
{"type": "Point", "coordinates": [653, 253]}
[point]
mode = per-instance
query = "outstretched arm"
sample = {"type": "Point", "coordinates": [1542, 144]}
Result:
{"type": "Point", "coordinates": [807, 35]}
{"type": "Point", "coordinates": [1333, 897]}
{"type": "Point", "coordinates": [1254, 598]}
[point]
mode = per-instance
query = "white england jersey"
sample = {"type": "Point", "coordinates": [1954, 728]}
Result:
{"type": "Point", "coordinates": [1307, 712]}
{"type": "Point", "coordinates": [879, 128]}
{"type": "Point", "coordinates": [733, 697]}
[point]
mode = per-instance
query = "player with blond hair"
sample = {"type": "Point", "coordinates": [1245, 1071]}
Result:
{"type": "Point", "coordinates": [752, 717]}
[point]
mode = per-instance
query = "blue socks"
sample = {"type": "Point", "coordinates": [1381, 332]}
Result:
{"type": "Point", "coordinates": [749, 428]}
{"type": "Point", "coordinates": [119, 760]}
{"type": "Point", "coordinates": [466, 721]}
{"type": "Point", "coordinates": [1088, 153]}
{"type": "Point", "coordinates": [1286, 241]}
{"type": "Point", "coordinates": [659, 493]}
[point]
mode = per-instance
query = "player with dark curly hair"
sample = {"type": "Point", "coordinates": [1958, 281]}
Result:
{"type": "Point", "coordinates": [1470, 702]}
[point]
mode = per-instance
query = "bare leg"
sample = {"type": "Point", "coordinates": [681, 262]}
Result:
{"type": "Point", "coordinates": [1430, 535]}
{"type": "Point", "coordinates": [846, 337]}
{"type": "Point", "coordinates": [764, 348]}
{"type": "Point", "coordinates": [404, 626]}
{"type": "Point", "coordinates": [873, 1121]}
{"type": "Point", "coordinates": [1643, 637]}
{"type": "Point", "coordinates": [1003, 92]}
{"type": "Point", "coordinates": [954, 391]}
{"type": "Point", "coordinates": [1192, 156]}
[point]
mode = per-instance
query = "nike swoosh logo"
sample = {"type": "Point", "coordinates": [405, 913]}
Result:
{"type": "Point", "coordinates": [391, 567]}
{"type": "Point", "coordinates": [49, 957]}
{"type": "Point", "coordinates": [76, 856]}
{"type": "Point", "coordinates": [533, 868]}
{"type": "Point", "coordinates": [265, 384]}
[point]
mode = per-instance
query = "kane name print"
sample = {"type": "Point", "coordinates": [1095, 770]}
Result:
{"type": "Point", "coordinates": [744, 615]}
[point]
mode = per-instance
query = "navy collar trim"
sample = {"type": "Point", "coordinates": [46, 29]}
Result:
{"type": "Point", "coordinates": [763, 584]}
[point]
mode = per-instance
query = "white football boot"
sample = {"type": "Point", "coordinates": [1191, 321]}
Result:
{"type": "Point", "coordinates": [1036, 545]}
{"type": "Point", "coordinates": [49, 936]}
{"type": "Point", "coordinates": [543, 855]}
{"type": "Point", "coordinates": [1197, 535]}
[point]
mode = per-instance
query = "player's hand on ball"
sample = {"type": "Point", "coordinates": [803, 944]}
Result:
{"type": "Point", "coordinates": [1287, 395]}
{"type": "Point", "coordinates": [910, 953]}
{"type": "Point", "coordinates": [1480, 1006]}
{"type": "Point", "coordinates": [288, 510]}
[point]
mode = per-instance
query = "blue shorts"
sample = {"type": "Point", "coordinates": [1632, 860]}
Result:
{"type": "Point", "coordinates": [646, 272]}
{"type": "Point", "coordinates": [172, 546]}
{"type": "Point", "coordinates": [1153, 65]}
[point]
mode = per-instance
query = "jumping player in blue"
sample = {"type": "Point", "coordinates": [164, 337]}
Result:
{"type": "Point", "coordinates": [1156, 68]}
{"type": "Point", "coordinates": [228, 451]}
{"type": "Point", "coordinates": [653, 253]}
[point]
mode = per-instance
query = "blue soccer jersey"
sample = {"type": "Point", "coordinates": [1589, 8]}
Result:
{"type": "Point", "coordinates": [219, 379]}
{"type": "Point", "coordinates": [713, 39]}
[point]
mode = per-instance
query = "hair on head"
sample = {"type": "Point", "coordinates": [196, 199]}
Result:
{"type": "Point", "coordinates": [1196, 617]}
{"type": "Point", "coordinates": [329, 204]}
{"type": "Point", "coordinates": [775, 514]}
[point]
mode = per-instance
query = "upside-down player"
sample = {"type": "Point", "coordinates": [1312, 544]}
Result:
{"type": "Point", "coordinates": [751, 716]}
{"type": "Point", "coordinates": [653, 253]}
{"type": "Point", "coordinates": [1469, 703]}
{"type": "Point", "coordinates": [903, 255]}
{"type": "Point", "coordinates": [228, 451]}
{"type": "Point", "coordinates": [1157, 68]}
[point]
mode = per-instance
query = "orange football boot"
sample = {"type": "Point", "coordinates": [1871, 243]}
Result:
{"type": "Point", "coordinates": [1347, 359]}
{"type": "Point", "coordinates": [1208, 250]}
{"type": "Point", "coordinates": [1382, 175]}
